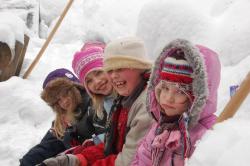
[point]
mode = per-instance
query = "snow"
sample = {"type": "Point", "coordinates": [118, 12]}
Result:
{"type": "Point", "coordinates": [12, 28]}
{"type": "Point", "coordinates": [221, 25]}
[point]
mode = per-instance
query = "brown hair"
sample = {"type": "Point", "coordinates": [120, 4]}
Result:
{"type": "Point", "coordinates": [52, 93]}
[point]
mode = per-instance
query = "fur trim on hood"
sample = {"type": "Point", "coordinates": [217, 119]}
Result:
{"type": "Point", "coordinates": [199, 84]}
{"type": "Point", "coordinates": [55, 88]}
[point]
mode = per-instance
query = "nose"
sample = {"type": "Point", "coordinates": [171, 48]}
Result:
{"type": "Point", "coordinates": [169, 96]}
{"type": "Point", "coordinates": [62, 102]}
{"type": "Point", "coordinates": [97, 80]}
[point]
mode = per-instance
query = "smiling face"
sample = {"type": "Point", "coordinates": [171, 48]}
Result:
{"type": "Point", "coordinates": [172, 99]}
{"type": "Point", "coordinates": [125, 80]}
{"type": "Point", "coordinates": [66, 102]}
{"type": "Point", "coordinates": [98, 82]}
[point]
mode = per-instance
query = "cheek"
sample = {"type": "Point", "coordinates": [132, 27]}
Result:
{"type": "Point", "coordinates": [162, 97]}
{"type": "Point", "coordinates": [90, 87]}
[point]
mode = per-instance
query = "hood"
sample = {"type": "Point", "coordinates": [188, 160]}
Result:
{"type": "Point", "coordinates": [52, 91]}
{"type": "Point", "coordinates": [213, 70]}
{"type": "Point", "coordinates": [199, 58]}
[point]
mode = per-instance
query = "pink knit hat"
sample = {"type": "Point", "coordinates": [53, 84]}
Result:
{"type": "Point", "coordinates": [91, 44]}
{"type": "Point", "coordinates": [86, 61]}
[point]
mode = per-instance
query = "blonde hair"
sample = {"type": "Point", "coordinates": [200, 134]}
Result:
{"type": "Point", "coordinates": [98, 103]}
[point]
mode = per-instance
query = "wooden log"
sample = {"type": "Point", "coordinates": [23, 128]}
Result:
{"type": "Point", "coordinates": [12, 67]}
{"type": "Point", "coordinates": [5, 55]}
{"type": "Point", "coordinates": [236, 100]}
{"type": "Point", "coordinates": [22, 55]}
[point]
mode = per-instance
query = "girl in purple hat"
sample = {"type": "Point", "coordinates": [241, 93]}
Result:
{"type": "Point", "coordinates": [74, 119]}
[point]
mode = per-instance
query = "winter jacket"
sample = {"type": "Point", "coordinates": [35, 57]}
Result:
{"type": "Point", "coordinates": [120, 146]}
{"type": "Point", "coordinates": [206, 79]}
{"type": "Point", "coordinates": [87, 125]}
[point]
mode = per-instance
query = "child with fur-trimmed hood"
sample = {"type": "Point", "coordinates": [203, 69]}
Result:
{"type": "Point", "coordinates": [182, 97]}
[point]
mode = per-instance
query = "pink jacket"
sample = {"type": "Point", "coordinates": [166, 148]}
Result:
{"type": "Point", "coordinates": [206, 80]}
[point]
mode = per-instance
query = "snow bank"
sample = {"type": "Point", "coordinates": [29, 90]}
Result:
{"type": "Point", "coordinates": [227, 144]}
{"type": "Point", "coordinates": [221, 25]}
{"type": "Point", "coordinates": [24, 118]}
{"type": "Point", "coordinates": [162, 21]}
{"type": "Point", "coordinates": [12, 28]}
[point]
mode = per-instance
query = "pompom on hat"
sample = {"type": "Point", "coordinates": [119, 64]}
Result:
{"type": "Point", "coordinates": [126, 53]}
{"type": "Point", "coordinates": [91, 44]}
{"type": "Point", "coordinates": [60, 73]}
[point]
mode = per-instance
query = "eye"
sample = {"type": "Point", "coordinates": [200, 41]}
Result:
{"type": "Point", "coordinates": [119, 70]}
{"type": "Point", "coordinates": [88, 81]}
{"type": "Point", "coordinates": [98, 73]}
{"type": "Point", "coordinates": [165, 87]}
{"type": "Point", "coordinates": [110, 72]}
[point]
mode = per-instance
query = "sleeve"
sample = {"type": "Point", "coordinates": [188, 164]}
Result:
{"type": "Point", "coordinates": [139, 123]}
{"type": "Point", "coordinates": [108, 161]}
{"type": "Point", "coordinates": [92, 154]}
{"type": "Point", "coordinates": [48, 147]}
{"type": "Point", "coordinates": [143, 152]}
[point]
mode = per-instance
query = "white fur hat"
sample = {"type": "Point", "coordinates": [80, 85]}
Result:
{"type": "Point", "coordinates": [126, 53]}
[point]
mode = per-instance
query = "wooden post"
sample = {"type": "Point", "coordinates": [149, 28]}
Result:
{"type": "Point", "coordinates": [35, 61]}
{"type": "Point", "coordinates": [22, 54]}
{"type": "Point", "coordinates": [5, 55]}
{"type": "Point", "coordinates": [11, 67]}
{"type": "Point", "coordinates": [236, 100]}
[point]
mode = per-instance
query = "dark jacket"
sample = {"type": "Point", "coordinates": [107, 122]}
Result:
{"type": "Point", "coordinates": [87, 125]}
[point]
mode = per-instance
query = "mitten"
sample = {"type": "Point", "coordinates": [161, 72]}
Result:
{"type": "Point", "coordinates": [62, 160]}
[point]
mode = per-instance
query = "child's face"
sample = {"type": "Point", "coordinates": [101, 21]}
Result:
{"type": "Point", "coordinates": [125, 80]}
{"type": "Point", "coordinates": [172, 99]}
{"type": "Point", "coordinates": [66, 102]}
{"type": "Point", "coordinates": [98, 82]}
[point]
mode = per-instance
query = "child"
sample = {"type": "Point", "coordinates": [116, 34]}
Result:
{"type": "Point", "coordinates": [88, 65]}
{"type": "Point", "coordinates": [58, 85]}
{"type": "Point", "coordinates": [177, 95]}
{"type": "Point", "coordinates": [127, 65]}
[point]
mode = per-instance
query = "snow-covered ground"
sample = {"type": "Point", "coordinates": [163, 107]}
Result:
{"type": "Point", "coordinates": [221, 25]}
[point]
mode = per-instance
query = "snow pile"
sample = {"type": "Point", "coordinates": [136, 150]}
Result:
{"type": "Point", "coordinates": [27, 10]}
{"type": "Point", "coordinates": [228, 144]}
{"type": "Point", "coordinates": [12, 28]}
{"type": "Point", "coordinates": [221, 25]}
{"type": "Point", "coordinates": [24, 118]}
{"type": "Point", "coordinates": [108, 19]}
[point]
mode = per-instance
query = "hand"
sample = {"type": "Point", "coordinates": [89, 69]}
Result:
{"type": "Point", "coordinates": [69, 159]}
{"type": "Point", "coordinates": [87, 143]}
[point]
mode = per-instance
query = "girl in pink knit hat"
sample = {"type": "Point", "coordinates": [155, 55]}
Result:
{"type": "Point", "coordinates": [178, 97]}
{"type": "Point", "coordinates": [88, 66]}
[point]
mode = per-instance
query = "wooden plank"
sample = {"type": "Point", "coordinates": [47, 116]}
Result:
{"type": "Point", "coordinates": [22, 55]}
{"type": "Point", "coordinates": [5, 55]}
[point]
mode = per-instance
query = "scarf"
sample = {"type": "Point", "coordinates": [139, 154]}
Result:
{"type": "Point", "coordinates": [170, 134]}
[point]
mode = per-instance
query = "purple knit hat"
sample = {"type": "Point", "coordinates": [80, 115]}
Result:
{"type": "Point", "coordinates": [86, 61]}
{"type": "Point", "coordinates": [59, 73]}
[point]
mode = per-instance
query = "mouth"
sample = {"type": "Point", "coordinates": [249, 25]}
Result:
{"type": "Point", "coordinates": [102, 86]}
{"type": "Point", "coordinates": [119, 84]}
{"type": "Point", "coordinates": [166, 106]}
